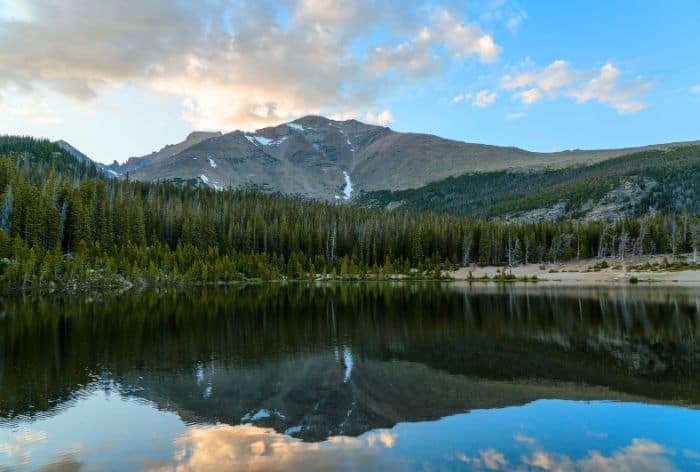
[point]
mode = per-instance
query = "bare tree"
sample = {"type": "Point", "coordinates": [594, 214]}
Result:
{"type": "Point", "coordinates": [638, 247]}
{"type": "Point", "coordinates": [673, 233]}
{"type": "Point", "coordinates": [622, 248]}
{"type": "Point", "coordinates": [527, 249]}
{"type": "Point", "coordinates": [695, 235]}
{"type": "Point", "coordinates": [510, 251]}
{"type": "Point", "coordinates": [602, 241]}
{"type": "Point", "coordinates": [466, 248]}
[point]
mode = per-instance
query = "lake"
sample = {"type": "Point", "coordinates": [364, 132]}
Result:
{"type": "Point", "coordinates": [353, 377]}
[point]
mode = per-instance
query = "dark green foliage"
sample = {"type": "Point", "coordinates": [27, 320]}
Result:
{"type": "Point", "coordinates": [675, 173]}
{"type": "Point", "coordinates": [63, 224]}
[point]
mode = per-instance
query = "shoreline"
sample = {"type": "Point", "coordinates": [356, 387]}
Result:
{"type": "Point", "coordinates": [585, 272]}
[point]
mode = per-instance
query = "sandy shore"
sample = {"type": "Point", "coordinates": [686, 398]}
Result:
{"type": "Point", "coordinates": [583, 273]}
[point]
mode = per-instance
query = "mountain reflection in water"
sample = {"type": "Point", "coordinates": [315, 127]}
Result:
{"type": "Point", "coordinates": [321, 376]}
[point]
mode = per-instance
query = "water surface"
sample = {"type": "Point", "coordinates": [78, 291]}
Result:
{"type": "Point", "coordinates": [353, 377]}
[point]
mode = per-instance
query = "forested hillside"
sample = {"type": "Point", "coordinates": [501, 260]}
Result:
{"type": "Point", "coordinates": [64, 225]}
{"type": "Point", "coordinates": [664, 181]}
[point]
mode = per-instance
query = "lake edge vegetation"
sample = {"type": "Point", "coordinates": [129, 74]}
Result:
{"type": "Point", "coordinates": [66, 226]}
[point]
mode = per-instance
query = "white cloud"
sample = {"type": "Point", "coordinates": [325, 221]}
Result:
{"type": "Point", "coordinates": [234, 64]}
{"type": "Point", "coordinates": [516, 20]}
{"type": "Point", "coordinates": [558, 78]}
{"type": "Point", "coordinates": [695, 89]}
{"type": "Point", "coordinates": [460, 98]}
{"type": "Point", "coordinates": [605, 88]}
{"type": "Point", "coordinates": [507, 12]}
{"type": "Point", "coordinates": [641, 454]}
{"type": "Point", "coordinates": [416, 57]}
{"type": "Point", "coordinates": [466, 39]}
{"type": "Point", "coordinates": [488, 459]}
{"type": "Point", "coordinates": [550, 79]}
{"type": "Point", "coordinates": [484, 98]}
{"type": "Point", "coordinates": [384, 118]}
{"type": "Point", "coordinates": [493, 459]}
{"type": "Point", "coordinates": [523, 438]}
{"type": "Point", "coordinates": [530, 96]}
{"type": "Point", "coordinates": [31, 108]}
{"type": "Point", "coordinates": [247, 447]}
{"type": "Point", "coordinates": [20, 446]}
{"type": "Point", "coordinates": [515, 116]}
{"type": "Point", "coordinates": [481, 99]}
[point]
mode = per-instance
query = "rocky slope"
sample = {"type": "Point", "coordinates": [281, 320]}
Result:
{"type": "Point", "coordinates": [636, 184]}
{"type": "Point", "coordinates": [326, 159]}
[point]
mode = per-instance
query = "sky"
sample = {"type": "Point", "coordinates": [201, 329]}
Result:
{"type": "Point", "coordinates": [121, 78]}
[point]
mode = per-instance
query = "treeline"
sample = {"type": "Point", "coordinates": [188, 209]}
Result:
{"type": "Point", "coordinates": [668, 179]}
{"type": "Point", "coordinates": [63, 223]}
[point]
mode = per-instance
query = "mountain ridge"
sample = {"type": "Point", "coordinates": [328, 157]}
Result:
{"type": "Point", "coordinates": [312, 155]}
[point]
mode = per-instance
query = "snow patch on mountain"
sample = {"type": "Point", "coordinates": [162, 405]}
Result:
{"type": "Point", "coordinates": [296, 127]}
{"type": "Point", "coordinates": [212, 163]}
{"type": "Point", "coordinates": [263, 140]}
{"type": "Point", "coordinates": [347, 191]}
{"type": "Point", "coordinates": [204, 178]}
{"type": "Point", "coordinates": [347, 139]}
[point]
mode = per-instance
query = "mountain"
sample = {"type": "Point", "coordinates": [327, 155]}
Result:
{"type": "Point", "coordinates": [170, 150]}
{"type": "Point", "coordinates": [327, 159]}
{"type": "Point", "coordinates": [73, 151]}
{"type": "Point", "coordinates": [637, 184]}
{"type": "Point", "coordinates": [83, 159]}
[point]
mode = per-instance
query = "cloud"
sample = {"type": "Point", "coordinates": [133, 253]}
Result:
{"type": "Point", "coordinates": [493, 460]}
{"type": "Point", "coordinates": [460, 98]}
{"type": "Point", "coordinates": [530, 96]}
{"type": "Point", "coordinates": [32, 108]}
{"type": "Point", "coordinates": [463, 40]}
{"type": "Point", "coordinates": [640, 454]}
{"type": "Point", "coordinates": [550, 79]}
{"type": "Point", "coordinates": [558, 78]}
{"type": "Point", "coordinates": [416, 57]}
{"type": "Point", "coordinates": [695, 89]}
{"type": "Point", "coordinates": [523, 438]}
{"type": "Point", "coordinates": [247, 447]}
{"type": "Point", "coordinates": [516, 20]}
{"type": "Point", "coordinates": [515, 116]}
{"type": "Point", "coordinates": [384, 118]}
{"type": "Point", "coordinates": [20, 445]}
{"type": "Point", "coordinates": [509, 13]}
{"type": "Point", "coordinates": [605, 88]}
{"type": "Point", "coordinates": [482, 98]}
{"type": "Point", "coordinates": [548, 461]}
{"type": "Point", "coordinates": [234, 64]}
{"type": "Point", "coordinates": [488, 459]}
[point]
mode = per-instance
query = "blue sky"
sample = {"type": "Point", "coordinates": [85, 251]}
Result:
{"type": "Point", "coordinates": [122, 78]}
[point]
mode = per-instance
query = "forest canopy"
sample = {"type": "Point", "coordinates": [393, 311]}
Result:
{"type": "Point", "coordinates": [65, 224]}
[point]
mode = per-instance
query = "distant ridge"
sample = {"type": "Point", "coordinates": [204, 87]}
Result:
{"type": "Point", "coordinates": [322, 158]}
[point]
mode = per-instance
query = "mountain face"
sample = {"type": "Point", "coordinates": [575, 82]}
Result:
{"type": "Point", "coordinates": [337, 160]}
{"type": "Point", "coordinates": [73, 151]}
{"type": "Point", "coordinates": [170, 150]}
{"type": "Point", "coordinates": [632, 185]}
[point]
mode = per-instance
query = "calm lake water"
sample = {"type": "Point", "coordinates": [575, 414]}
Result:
{"type": "Point", "coordinates": [353, 377]}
